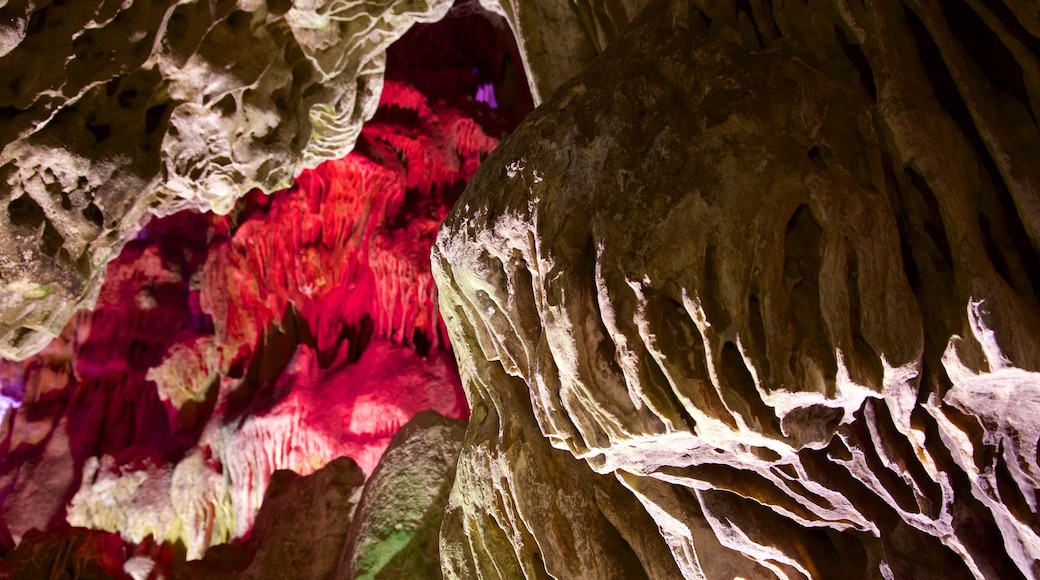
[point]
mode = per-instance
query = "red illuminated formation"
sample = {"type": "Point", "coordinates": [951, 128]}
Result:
{"type": "Point", "coordinates": [299, 328]}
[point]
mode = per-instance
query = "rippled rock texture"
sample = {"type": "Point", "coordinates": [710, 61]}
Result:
{"type": "Point", "coordinates": [758, 291]}
{"type": "Point", "coordinates": [111, 111]}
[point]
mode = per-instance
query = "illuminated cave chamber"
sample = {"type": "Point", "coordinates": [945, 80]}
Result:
{"type": "Point", "coordinates": [752, 294]}
{"type": "Point", "coordinates": [299, 328]}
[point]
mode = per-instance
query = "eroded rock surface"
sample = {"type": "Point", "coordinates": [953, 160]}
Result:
{"type": "Point", "coordinates": [300, 529]}
{"type": "Point", "coordinates": [397, 524]}
{"type": "Point", "coordinates": [334, 524]}
{"type": "Point", "coordinates": [557, 38]}
{"type": "Point", "coordinates": [770, 272]}
{"type": "Point", "coordinates": [112, 111]}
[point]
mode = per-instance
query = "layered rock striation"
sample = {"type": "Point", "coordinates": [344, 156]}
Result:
{"type": "Point", "coordinates": [758, 291]}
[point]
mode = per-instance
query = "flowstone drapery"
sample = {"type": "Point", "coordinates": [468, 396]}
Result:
{"type": "Point", "coordinates": [768, 271]}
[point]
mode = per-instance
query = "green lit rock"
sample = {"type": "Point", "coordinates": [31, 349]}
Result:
{"type": "Point", "coordinates": [397, 523]}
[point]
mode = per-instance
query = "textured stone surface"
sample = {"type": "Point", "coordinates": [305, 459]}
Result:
{"type": "Point", "coordinates": [300, 530]}
{"type": "Point", "coordinates": [113, 111]}
{"type": "Point", "coordinates": [397, 523]}
{"type": "Point", "coordinates": [75, 554]}
{"type": "Point", "coordinates": [324, 526]}
{"type": "Point", "coordinates": [769, 271]}
{"type": "Point", "coordinates": [557, 38]}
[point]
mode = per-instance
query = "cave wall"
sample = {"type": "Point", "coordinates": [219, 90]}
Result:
{"type": "Point", "coordinates": [753, 295]}
{"type": "Point", "coordinates": [768, 270]}
{"type": "Point", "coordinates": [299, 328]}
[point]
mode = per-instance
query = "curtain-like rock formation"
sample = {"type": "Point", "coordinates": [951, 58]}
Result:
{"type": "Point", "coordinates": [770, 271]}
{"type": "Point", "coordinates": [112, 111]}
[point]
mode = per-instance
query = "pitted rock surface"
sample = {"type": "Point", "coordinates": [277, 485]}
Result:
{"type": "Point", "coordinates": [115, 111]}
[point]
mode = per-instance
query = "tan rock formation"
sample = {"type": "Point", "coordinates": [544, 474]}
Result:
{"type": "Point", "coordinates": [770, 270]}
{"type": "Point", "coordinates": [113, 111]}
{"type": "Point", "coordinates": [397, 523]}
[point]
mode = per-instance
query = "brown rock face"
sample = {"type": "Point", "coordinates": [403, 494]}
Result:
{"type": "Point", "coordinates": [758, 291]}
{"type": "Point", "coordinates": [111, 111]}
{"type": "Point", "coordinates": [557, 38]}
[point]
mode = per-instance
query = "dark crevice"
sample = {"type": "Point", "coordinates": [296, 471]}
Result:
{"type": "Point", "coordinates": [683, 346]}
{"type": "Point", "coordinates": [1010, 494]}
{"type": "Point", "coordinates": [933, 223]}
{"type": "Point", "coordinates": [661, 312]}
{"type": "Point", "coordinates": [994, 61]}
{"type": "Point", "coordinates": [802, 264]}
{"type": "Point", "coordinates": [859, 61]}
{"type": "Point", "coordinates": [101, 132]}
{"type": "Point", "coordinates": [93, 214]}
{"type": "Point", "coordinates": [155, 117]}
{"type": "Point", "coordinates": [906, 455]}
{"type": "Point", "coordinates": [52, 239]}
{"type": "Point", "coordinates": [973, 522]}
{"type": "Point", "coordinates": [716, 313]}
{"type": "Point", "coordinates": [24, 211]}
{"type": "Point", "coordinates": [909, 552]}
{"type": "Point", "coordinates": [421, 342]}
{"type": "Point", "coordinates": [1006, 240]}
{"type": "Point", "coordinates": [867, 368]}
{"type": "Point", "coordinates": [740, 393]}
{"type": "Point", "coordinates": [767, 9]}
{"type": "Point", "coordinates": [758, 333]}
{"type": "Point", "coordinates": [744, 11]}
{"type": "Point", "coordinates": [817, 159]}
{"type": "Point", "coordinates": [1004, 14]}
{"type": "Point", "coordinates": [897, 489]}
{"type": "Point", "coordinates": [969, 425]}
{"type": "Point", "coordinates": [999, 204]}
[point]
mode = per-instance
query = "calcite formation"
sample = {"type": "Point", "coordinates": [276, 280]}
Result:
{"type": "Point", "coordinates": [335, 524]}
{"type": "Point", "coordinates": [765, 273]}
{"type": "Point", "coordinates": [114, 111]}
{"type": "Point", "coordinates": [557, 38]}
{"type": "Point", "coordinates": [331, 523]}
{"type": "Point", "coordinates": [299, 328]}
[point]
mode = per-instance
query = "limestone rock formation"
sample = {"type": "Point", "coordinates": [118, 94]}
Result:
{"type": "Point", "coordinates": [323, 525]}
{"type": "Point", "coordinates": [299, 328]}
{"type": "Point", "coordinates": [768, 270]}
{"type": "Point", "coordinates": [557, 38]}
{"type": "Point", "coordinates": [114, 111]}
{"type": "Point", "coordinates": [398, 520]}
{"type": "Point", "coordinates": [300, 530]}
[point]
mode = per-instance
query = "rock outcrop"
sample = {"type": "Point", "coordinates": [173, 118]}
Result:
{"type": "Point", "coordinates": [114, 111]}
{"type": "Point", "coordinates": [557, 38]}
{"type": "Point", "coordinates": [396, 528]}
{"type": "Point", "coordinates": [758, 290]}
{"type": "Point", "coordinates": [300, 530]}
{"type": "Point", "coordinates": [334, 524]}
